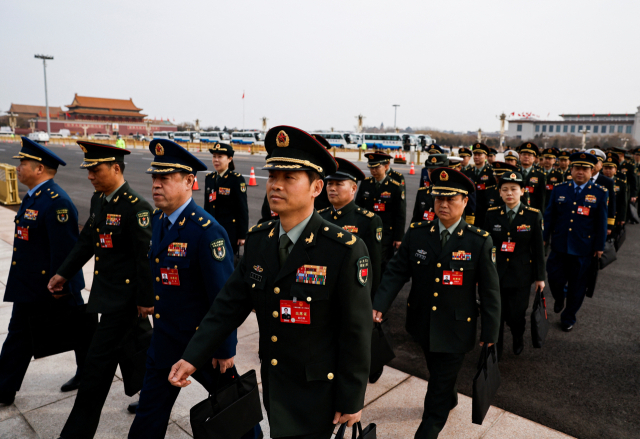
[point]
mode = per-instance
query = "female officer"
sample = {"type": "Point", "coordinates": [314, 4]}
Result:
{"type": "Point", "coordinates": [225, 196]}
{"type": "Point", "coordinates": [516, 230]}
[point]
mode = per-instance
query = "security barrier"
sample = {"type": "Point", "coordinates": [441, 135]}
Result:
{"type": "Point", "coordinates": [8, 185]}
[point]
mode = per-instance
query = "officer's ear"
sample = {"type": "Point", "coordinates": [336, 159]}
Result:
{"type": "Point", "coordinates": [189, 179]}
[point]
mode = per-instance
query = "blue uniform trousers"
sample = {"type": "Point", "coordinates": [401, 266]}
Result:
{"type": "Point", "coordinates": [158, 396]}
{"type": "Point", "coordinates": [17, 349]}
{"type": "Point", "coordinates": [565, 270]}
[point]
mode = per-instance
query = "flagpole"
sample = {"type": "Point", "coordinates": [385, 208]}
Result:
{"type": "Point", "coordinates": [242, 110]}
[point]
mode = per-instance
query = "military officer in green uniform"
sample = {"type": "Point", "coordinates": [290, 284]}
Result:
{"type": "Point", "coordinates": [314, 370]}
{"type": "Point", "coordinates": [225, 195]}
{"type": "Point", "coordinates": [558, 174]}
{"type": "Point", "coordinates": [383, 196]}
{"type": "Point", "coordinates": [445, 259]}
{"type": "Point", "coordinates": [610, 169]}
{"type": "Point", "coordinates": [465, 154]}
{"type": "Point", "coordinates": [516, 231]}
{"type": "Point", "coordinates": [399, 177]}
{"type": "Point", "coordinates": [341, 189]}
{"type": "Point", "coordinates": [482, 176]}
{"type": "Point", "coordinates": [117, 233]}
{"type": "Point", "coordinates": [534, 180]}
{"type": "Point", "coordinates": [548, 160]}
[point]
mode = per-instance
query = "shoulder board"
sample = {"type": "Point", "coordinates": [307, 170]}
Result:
{"type": "Point", "coordinates": [338, 234]}
{"type": "Point", "coordinates": [365, 212]}
{"type": "Point", "coordinates": [209, 174]}
{"type": "Point", "coordinates": [156, 211]}
{"type": "Point", "coordinates": [53, 195]}
{"type": "Point", "coordinates": [369, 179]}
{"type": "Point", "coordinates": [533, 209]}
{"type": "Point", "coordinates": [237, 174]}
{"type": "Point", "coordinates": [423, 188]}
{"type": "Point", "coordinates": [261, 227]}
{"type": "Point", "coordinates": [398, 173]}
{"type": "Point", "coordinates": [134, 200]}
{"type": "Point", "coordinates": [493, 208]}
{"type": "Point", "coordinates": [600, 187]}
{"type": "Point", "coordinates": [564, 182]}
{"type": "Point", "coordinates": [395, 182]}
{"type": "Point", "coordinates": [475, 229]}
{"type": "Point", "coordinates": [420, 224]}
{"type": "Point", "coordinates": [200, 217]}
{"type": "Point", "coordinates": [322, 210]}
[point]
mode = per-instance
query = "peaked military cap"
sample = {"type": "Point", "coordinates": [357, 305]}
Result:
{"type": "Point", "coordinates": [550, 152]}
{"type": "Point", "coordinates": [564, 154]}
{"type": "Point", "coordinates": [500, 167]}
{"type": "Point", "coordinates": [511, 154]}
{"type": "Point", "coordinates": [618, 150]}
{"type": "Point", "coordinates": [611, 160]}
{"type": "Point", "coordinates": [529, 147]}
{"type": "Point", "coordinates": [322, 141]}
{"type": "Point", "coordinates": [454, 162]}
{"type": "Point", "coordinates": [435, 149]}
{"type": "Point", "coordinates": [510, 177]}
{"type": "Point", "coordinates": [346, 171]}
{"type": "Point", "coordinates": [448, 182]}
{"type": "Point", "coordinates": [222, 148]}
{"type": "Point", "coordinates": [493, 151]}
{"type": "Point", "coordinates": [583, 158]}
{"type": "Point", "coordinates": [377, 158]}
{"type": "Point", "coordinates": [480, 147]}
{"type": "Point", "coordinates": [436, 161]}
{"type": "Point", "coordinates": [292, 149]}
{"type": "Point", "coordinates": [34, 151]}
{"type": "Point", "coordinates": [597, 152]}
{"type": "Point", "coordinates": [96, 153]}
{"type": "Point", "coordinates": [464, 152]}
{"type": "Point", "coordinates": [169, 157]}
{"type": "Point", "coordinates": [636, 150]}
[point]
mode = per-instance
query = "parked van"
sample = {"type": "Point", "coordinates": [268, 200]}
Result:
{"type": "Point", "coordinates": [39, 137]}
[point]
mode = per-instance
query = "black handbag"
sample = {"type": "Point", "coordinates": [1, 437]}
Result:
{"type": "Point", "coordinates": [621, 236]}
{"type": "Point", "coordinates": [357, 432]}
{"type": "Point", "coordinates": [231, 413]}
{"type": "Point", "coordinates": [64, 330]}
{"type": "Point", "coordinates": [132, 355]}
{"type": "Point", "coordinates": [381, 347]}
{"type": "Point", "coordinates": [539, 320]}
{"type": "Point", "coordinates": [485, 384]}
{"type": "Point", "coordinates": [608, 255]}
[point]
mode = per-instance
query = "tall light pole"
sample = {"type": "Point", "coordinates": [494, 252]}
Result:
{"type": "Point", "coordinates": [44, 59]}
{"type": "Point", "coordinates": [584, 138]}
{"type": "Point", "coordinates": [395, 114]}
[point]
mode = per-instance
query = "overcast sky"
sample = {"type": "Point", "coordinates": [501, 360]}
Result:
{"type": "Point", "coordinates": [453, 64]}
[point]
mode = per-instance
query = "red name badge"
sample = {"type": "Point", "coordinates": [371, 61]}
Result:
{"type": "Point", "coordinates": [481, 186]}
{"type": "Point", "coordinates": [452, 278]}
{"type": "Point", "coordinates": [295, 312]}
{"type": "Point", "coordinates": [105, 241]}
{"type": "Point", "coordinates": [212, 197]}
{"type": "Point", "coordinates": [170, 276]}
{"type": "Point", "coordinates": [379, 207]}
{"type": "Point", "coordinates": [549, 187]}
{"type": "Point", "coordinates": [427, 184]}
{"type": "Point", "coordinates": [582, 210]}
{"type": "Point", "coordinates": [23, 233]}
{"type": "Point", "coordinates": [529, 189]}
{"type": "Point", "coordinates": [273, 213]}
{"type": "Point", "coordinates": [508, 247]}
{"type": "Point", "coordinates": [429, 216]}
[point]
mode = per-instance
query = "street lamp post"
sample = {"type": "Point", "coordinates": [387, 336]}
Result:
{"type": "Point", "coordinates": [395, 114]}
{"type": "Point", "coordinates": [479, 135]}
{"type": "Point", "coordinates": [44, 59]}
{"type": "Point", "coordinates": [584, 137]}
{"type": "Point", "coordinates": [32, 124]}
{"type": "Point", "coordinates": [13, 122]}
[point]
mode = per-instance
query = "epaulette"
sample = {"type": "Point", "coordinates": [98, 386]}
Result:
{"type": "Point", "coordinates": [564, 182]}
{"type": "Point", "coordinates": [369, 179]}
{"type": "Point", "coordinates": [53, 195]}
{"type": "Point", "coordinates": [209, 174]}
{"type": "Point", "coordinates": [493, 208]}
{"type": "Point", "coordinates": [600, 187]}
{"type": "Point", "coordinates": [338, 234]}
{"type": "Point", "coordinates": [420, 224]}
{"type": "Point", "coordinates": [322, 210]}
{"type": "Point", "coordinates": [236, 174]}
{"type": "Point", "coordinates": [397, 173]}
{"type": "Point", "coordinates": [395, 182]}
{"type": "Point", "coordinates": [197, 217]}
{"type": "Point", "coordinates": [365, 212]}
{"type": "Point", "coordinates": [533, 209]}
{"type": "Point", "coordinates": [156, 211]}
{"type": "Point", "coordinates": [261, 227]}
{"type": "Point", "coordinates": [424, 188]}
{"type": "Point", "coordinates": [477, 230]}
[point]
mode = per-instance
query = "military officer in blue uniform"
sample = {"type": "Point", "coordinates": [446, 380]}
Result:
{"type": "Point", "coordinates": [46, 229]}
{"type": "Point", "coordinates": [576, 222]}
{"type": "Point", "coordinates": [191, 259]}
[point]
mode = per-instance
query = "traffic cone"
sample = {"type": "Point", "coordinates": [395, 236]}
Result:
{"type": "Point", "coordinates": [252, 178]}
{"type": "Point", "coordinates": [412, 171]}
{"type": "Point", "coordinates": [249, 150]}
{"type": "Point", "coordinates": [195, 185]}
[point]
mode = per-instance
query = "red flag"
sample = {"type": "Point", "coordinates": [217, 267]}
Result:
{"type": "Point", "coordinates": [242, 94]}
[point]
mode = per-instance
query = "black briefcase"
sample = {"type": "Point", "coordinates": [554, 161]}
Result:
{"type": "Point", "coordinates": [608, 255]}
{"type": "Point", "coordinates": [232, 412]}
{"type": "Point", "coordinates": [485, 384]}
{"type": "Point", "coordinates": [539, 320]}
{"type": "Point", "coordinates": [357, 432]}
{"type": "Point", "coordinates": [381, 347]}
{"type": "Point", "coordinates": [132, 355]}
{"type": "Point", "coordinates": [621, 236]}
{"type": "Point", "coordinates": [61, 331]}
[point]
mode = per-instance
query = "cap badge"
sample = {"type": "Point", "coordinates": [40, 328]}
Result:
{"type": "Point", "coordinates": [159, 149]}
{"type": "Point", "coordinates": [282, 139]}
{"type": "Point", "coordinates": [433, 160]}
{"type": "Point", "coordinates": [444, 176]}
{"type": "Point", "coordinates": [82, 148]}
{"type": "Point", "coordinates": [512, 176]}
{"type": "Point", "coordinates": [528, 145]}
{"type": "Point", "coordinates": [582, 156]}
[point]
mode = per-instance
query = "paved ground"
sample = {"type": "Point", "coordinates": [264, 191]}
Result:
{"type": "Point", "coordinates": [585, 383]}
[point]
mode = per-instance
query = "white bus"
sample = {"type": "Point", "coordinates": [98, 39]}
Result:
{"type": "Point", "coordinates": [168, 135]}
{"type": "Point", "coordinates": [186, 136]}
{"type": "Point", "coordinates": [354, 139]}
{"type": "Point", "coordinates": [247, 138]}
{"type": "Point", "coordinates": [214, 136]}
{"type": "Point", "coordinates": [339, 140]}
{"type": "Point", "coordinates": [383, 141]}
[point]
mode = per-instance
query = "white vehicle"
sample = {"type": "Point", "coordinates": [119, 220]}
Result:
{"type": "Point", "coordinates": [56, 136]}
{"type": "Point", "coordinates": [39, 137]}
{"type": "Point", "coordinates": [65, 133]}
{"type": "Point", "coordinates": [167, 135]}
{"type": "Point", "coordinates": [339, 140]}
{"type": "Point", "coordinates": [247, 138]}
{"type": "Point", "coordinates": [102, 136]}
{"type": "Point", "coordinates": [214, 136]}
{"type": "Point", "coordinates": [186, 136]}
{"type": "Point", "coordinates": [383, 141]}
{"type": "Point", "coordinates": [354, 139]}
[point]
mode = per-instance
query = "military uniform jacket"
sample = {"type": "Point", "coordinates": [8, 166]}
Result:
{"type": "Point", "coordinates": [519, 245]}
{"type": "Point", "coordinates": [622, 192]}
{"type": "Point", "coordinates": [628, 168]}
{"type": "Point", "coordinates": [535, 188]}
{"type": "Point", "coordinates": [573, 229]}
{"type": "Point", "coordinates": [189, 264]}
{"type": "Point", "coordinates": [46, 229]}
{"type": "Point", "coordinates": [118, 234]}
{"type": "Point", "coordinates": [366, 226]}
{"type": "Point", "coordinates": [607, 183]}
{"type": "Point", "coordinates": [309, 371]}
{"type": "Point", "coordinates": [386, 201]}
{"type": "Point", "coordinates": [225, 198]}
{"type": "Point", "coordinates": [555, 177]}
{"type": "Point", "coordinates": [441, 308]}
{"type": "Point", "coordinates": [399, 177]}
{"type": "Point", "coordinates": [424, 207]}
{"type": "Point", "coordinates": [484, 182]}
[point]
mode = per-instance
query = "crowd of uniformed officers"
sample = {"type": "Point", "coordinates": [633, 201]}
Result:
{"type": "Point", "coordinates": [323, 265]}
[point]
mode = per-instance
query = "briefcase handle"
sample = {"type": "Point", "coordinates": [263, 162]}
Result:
{"type": "Point", "coordinates": [356, 431]}
{"type": "Point", "coordinates": [484, 356]}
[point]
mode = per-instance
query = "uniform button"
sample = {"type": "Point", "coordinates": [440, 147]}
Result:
{"type": "Point", "coordinates": [571, 220]}
{"type": "Point", "coordinates": [274, 338]}
{"type": "Point", "coordinates": [326, 229]}
{"type": "Point", "coordinates": [97, 244]}
{"type": "Point", "coordinates": [418, 262]}
{"type": "Point", "coordinates": [276, 290]}
{"type": "Point", "coordinates": [157, 316]}
{"type": "Point", "coordinates": [274, 362]}
{"type": "Point", "coordinates": [15, 249]}
{"type": "Point", "coordinates": [97, 230]}
{"type": "Point", "coordinates": [234, 221]}
{"type": "Point", "coordinates": [308, 299]}
{"type": "Point", "coordinates": [507, 259]}
{"type": "Point", "coordinates": [408, 304]}
{"type": "Point", "coordinates": [439, 265]}
{"type": "Point", "coordinates": [434, 308]}
{"type": "Point", "coordinates": [435, 294]}
{"type": "Point", "coordinates": [253, 285]}
{"type": "Point", "coordinates": [275, 314]}
{"type": "Point", "coordinates": [15, 235]}
{"type": "Point", "coordinates": [461, 269]}
{"type": "Point", "coordinates": [96, 272]}
{"type": "Point", "coordinates": [330, 375]}
{"type": "Point", "coordinates": [44, 272]}
{"type": "Point", "coordinates": [157, 260]}
{"type": "Point", "coordinates": [437, 279]}
{"type": "Point", "coordinates": [17, 221]}
{"type": "Point", "coordinates": [335, 217]}
{"type": "Point", "coordinates": [569, 229]}
{"type": "Point", "coordinates": [97, 258]}
{"type": "Point", "coordinates": [468, 319]}
{"type": "Point", "coordinates": [157, 297]}
{"type": "Point", "coordinates": [157, 279]}
{"type": "Point", "coordinates": [127, 281]}
{"type": "Point", "coordinates": [13, 263]}
{"type": "Point", "coordinates": [508, 233]}
{"type": "Point", "coordinates": [574, 202]}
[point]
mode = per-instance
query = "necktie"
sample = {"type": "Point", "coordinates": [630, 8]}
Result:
{"type": "Point", "coordinates": [283, 249]}
{"type": "Point", "coordinates": [165, 226]}
{"type": "Point", "coordinates": [511, 214]}
{"type": "Point", "coordinates": [578, 190]}
{"type": "Point", "coordinates": [444, 237]}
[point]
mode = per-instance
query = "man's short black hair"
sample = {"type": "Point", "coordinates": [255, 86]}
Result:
{"type": "Point", "coordinates": [119, 163]}
{"type": "Point", "coordinates": [313, 176]}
